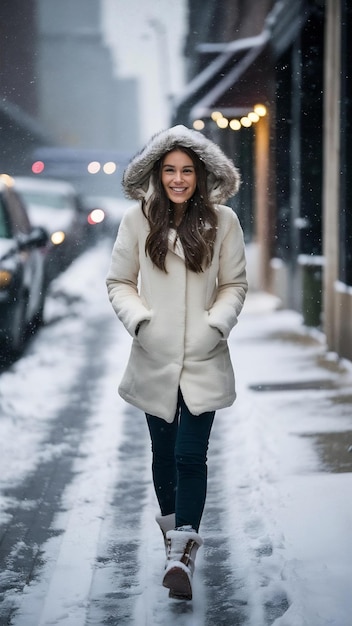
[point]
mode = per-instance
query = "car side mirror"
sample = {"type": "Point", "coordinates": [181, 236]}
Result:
{"type": "Point", "coordinates": [37, 238]}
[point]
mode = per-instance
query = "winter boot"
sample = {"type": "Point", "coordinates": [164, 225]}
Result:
{"type": "Point", "coordinates": [183, 544]}
{"type": "Point", "coordinates": [166, 522]}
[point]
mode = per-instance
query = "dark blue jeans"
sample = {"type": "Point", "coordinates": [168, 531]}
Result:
{"type": "Point", "coordinates": [180, 463]}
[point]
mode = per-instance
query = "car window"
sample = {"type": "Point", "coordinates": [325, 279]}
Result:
{"type": "Point", "coordinates": [18, 215]}
{"type": "Point", "coordinates": [4, 222]}
{"type": "Point", "coordinates": [47, 199]}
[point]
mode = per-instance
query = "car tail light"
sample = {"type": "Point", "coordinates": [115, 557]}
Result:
{"type": "Point", "coordinates": [38, 167]}
{"type": "Point", "coordinates": [96, 216]}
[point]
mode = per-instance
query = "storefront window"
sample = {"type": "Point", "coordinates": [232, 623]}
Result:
{"type": "Point", "coordinates": [311, 119]}
{"type": "Point", "coordinates": [345, 248]}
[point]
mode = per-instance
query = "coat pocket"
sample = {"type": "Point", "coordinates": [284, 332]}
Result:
{"type": "Point", "coordinates": [153, 338]}
{"type": "Point", "coordinates": [202, 338]}
{"type": "Point", "coordinates": [213, 338]}
{"type": "Point", "coordinates": [141, 332]}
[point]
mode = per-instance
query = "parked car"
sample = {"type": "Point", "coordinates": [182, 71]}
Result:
{"type": "Point", "coordinates": [106, 212]}
{"type": "Point", "coordinates": [56, 205]}
{"type": "Point", "coordinates": [22, 281]}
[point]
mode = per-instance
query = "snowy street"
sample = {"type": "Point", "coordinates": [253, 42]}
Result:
{"type": "Point", "coordinates": [79, 545]}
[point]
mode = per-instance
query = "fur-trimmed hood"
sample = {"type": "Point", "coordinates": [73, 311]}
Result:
{"type": "Point", "coordinates": [223, 177]}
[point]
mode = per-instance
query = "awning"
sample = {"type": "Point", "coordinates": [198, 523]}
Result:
{"type": "Point", "coordinates": [234, 60]}
{"type": "Point", "coordinates": [242, 73]}
{"type": "Point", "coordinates": [241, 87]}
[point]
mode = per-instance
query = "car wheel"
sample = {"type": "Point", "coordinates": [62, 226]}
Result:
{"type": "Point", "coordinates": [38, 319]}
{"type": "Point", "coordinates": [17, 336]}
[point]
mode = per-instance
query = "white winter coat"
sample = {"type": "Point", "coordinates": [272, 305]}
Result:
{"type": "Point", "coordinates": [185, 317]}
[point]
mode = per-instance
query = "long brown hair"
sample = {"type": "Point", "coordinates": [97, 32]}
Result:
{"type": "Point", "coordinates": [197, 229]}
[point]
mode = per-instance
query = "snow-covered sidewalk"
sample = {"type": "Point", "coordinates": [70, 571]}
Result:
{"type": "Point", "coordinates": [287, 452]}
{"type": "Point", "coordinates": [278, 517]}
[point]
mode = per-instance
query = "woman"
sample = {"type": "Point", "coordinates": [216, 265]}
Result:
{"type": "Point", "coordinates": [177, 282]}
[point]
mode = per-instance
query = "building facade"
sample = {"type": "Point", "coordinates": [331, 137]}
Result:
{"type": "Point", "coordinates": [292, 60]}
{"type": "Point", "coordinates": [20, 130]}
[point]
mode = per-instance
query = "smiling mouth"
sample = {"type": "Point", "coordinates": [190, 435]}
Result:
{"type": "Point", "coordinates": [178, 189]}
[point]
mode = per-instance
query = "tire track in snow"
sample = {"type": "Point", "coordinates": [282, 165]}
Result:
{"type": "Point", "coordinates": [116, 583]}
{"type": "Point", "coordinates": [57, 592]}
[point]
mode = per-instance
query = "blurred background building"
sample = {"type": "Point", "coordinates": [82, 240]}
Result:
{"type": "Point", "coordinates": [79, 98]}
{"type": "Point", "coordinates": [19, 125]}
{"type": "Point", "coordinates": [57, 82]}
{"type": "Point", "coordinates": [269, 81]}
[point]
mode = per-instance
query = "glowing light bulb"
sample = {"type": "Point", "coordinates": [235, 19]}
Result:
{"type": "Point", "coordinates": [235, 124]}
{"type": "Point", "coordinates": [260, 110]}
{"type": "Point", "coordinates": [198, 124]}
{"type": "Point", "coordinates": [246, 122]}
{"type": "Point", "coordinates": [222, 122]}
{"type": "Point", "coordinates": [254, 117]}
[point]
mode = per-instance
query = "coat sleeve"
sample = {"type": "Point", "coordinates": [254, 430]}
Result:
{"type": "Point", "coordinates": [232, 282]}
{"type": "Point", "coordinates": [122, 277]}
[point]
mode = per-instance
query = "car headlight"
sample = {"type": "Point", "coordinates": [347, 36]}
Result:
{"type": "Point", "coordinates": [5, 278]}
{"type": "Point", "coordinates": [57, 237]}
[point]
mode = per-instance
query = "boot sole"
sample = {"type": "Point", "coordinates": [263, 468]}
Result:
{"type": "Point", "coordinates": [177, 581]}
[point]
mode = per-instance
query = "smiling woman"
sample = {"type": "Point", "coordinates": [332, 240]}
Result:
{"type": "Point", "coordinates": [180, 182]}
{"type": "Point", "coordinates": [177, 281]}
{"type": "Point", "coordinates": [178, 177]}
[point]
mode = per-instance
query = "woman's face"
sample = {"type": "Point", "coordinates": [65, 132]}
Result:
{"type": "Point", "coordinates": [178, 176]}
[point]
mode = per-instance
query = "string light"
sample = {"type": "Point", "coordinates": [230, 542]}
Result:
{"type": "Point", "coordinates": [222, 122]}
{"type": "Point", "coordinates": [254, 117]}
{"type": "Point", "coordinates": [235, 124]}
{"type": "Point", "coordinates": [259, 110]}
{"type": "Point", "coordinates": [246, 122]}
